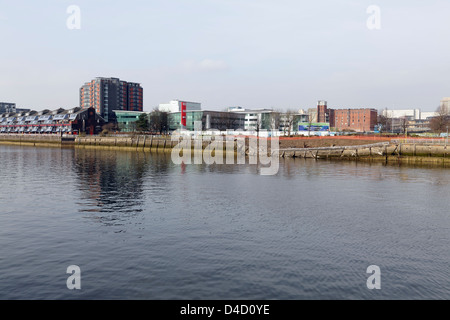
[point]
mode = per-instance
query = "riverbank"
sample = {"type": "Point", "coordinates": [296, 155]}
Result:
{"type": "Point", "coordinates": [338, 148]}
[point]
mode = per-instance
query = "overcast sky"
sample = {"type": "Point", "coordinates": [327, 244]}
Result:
{"type": "Point", "coordinates": [251, 53]}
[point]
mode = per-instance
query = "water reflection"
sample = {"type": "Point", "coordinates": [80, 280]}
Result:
{"type": "Point", "coordinates": [111, 181]}
{"type": "Point", "coordinates": [219, 231]}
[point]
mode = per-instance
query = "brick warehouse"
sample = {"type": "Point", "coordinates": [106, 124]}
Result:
{"type": "Point", "coordinates": [360, 120]}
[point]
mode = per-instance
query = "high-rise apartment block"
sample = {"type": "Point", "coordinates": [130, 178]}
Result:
{"type": "Point", "coordinates": [108, 94]}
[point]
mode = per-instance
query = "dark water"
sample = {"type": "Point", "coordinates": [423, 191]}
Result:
{"type": "Point", "coordinates": [140, 227]}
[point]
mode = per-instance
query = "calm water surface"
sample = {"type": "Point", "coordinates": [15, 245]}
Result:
{"type": "Point", "coordinates": [141, 227]}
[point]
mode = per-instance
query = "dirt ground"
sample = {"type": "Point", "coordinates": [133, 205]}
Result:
{"type": "Point", "coordinates": [323, 142]}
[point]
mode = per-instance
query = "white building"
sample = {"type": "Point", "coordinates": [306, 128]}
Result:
{"type": "Point", "coordinates": [175, 106]}
{"type": "Point", "coordinates": [445, 102]}
{"type": "Point", "coordinates": [410, 114]}
{"type": "Point", "coordinates": [254, 118]}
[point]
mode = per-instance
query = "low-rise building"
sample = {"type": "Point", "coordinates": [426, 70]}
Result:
{"type": "Point", "coordinates": [410, 114]}
{"type": "Point", "coordinates": [71, 121]}
{"type": "Point", "coordinates": [126, 120]}
{"type": "Point", "coordinates": [410, 120]}
{"type": "Point", "coordinates": [219, 120]}
{"type": "Point", "coordinates": [359, 120]}
{"type": "Point", "coordinates": [176, 105]}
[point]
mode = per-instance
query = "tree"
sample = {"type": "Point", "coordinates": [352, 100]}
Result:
{"type": "Point", "coordinates": [404, 123]}
{"type": "Point", "coordinates": [383, 123]}
{"type": "Point", "coordinates": [158, 121]}
{"type": "Point", "coordinates": [109, 127]}
{"type": "Point", "coordinates": [258, 124]}
{"type": "Point", "coordinates": [275, 119]}
{"type": "Point", "coordinates": [441, 121]}
{"type": "Point", "coordinates": [288, 120]}
{"type": "Point", "coordinates": [142, 123]}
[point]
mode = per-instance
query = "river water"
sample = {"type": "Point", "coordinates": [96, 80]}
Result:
{"type": "Point", "coordinates": [141, 227]}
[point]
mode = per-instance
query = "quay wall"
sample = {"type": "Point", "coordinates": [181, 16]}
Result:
{"type": "Point", "coordinates": [408, 152]}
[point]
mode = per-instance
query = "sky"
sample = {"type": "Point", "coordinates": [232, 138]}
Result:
{"type": "Point", "coordinates": [282, 54]}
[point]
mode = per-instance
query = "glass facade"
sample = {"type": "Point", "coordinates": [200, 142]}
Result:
{"type": "Point", "coordinates": [209, 119]}
{"type": "Point", "coordinates": [126, 120]}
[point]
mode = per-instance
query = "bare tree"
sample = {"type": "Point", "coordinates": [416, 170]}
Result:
{"type": "Point", "coordinates": [441, 121]}
{"type": "Point", "coordinates": [310, 122]}
{"type": "Point", "coordinates": [158, 121]}
{"type": "Point", "coordinates": [404, 123]}
{"type": "Point", "coordinates": [383, 122]}
{"type": "Point", "coordinates": [275, 119]}
{"type": "Point", "coordinates": [288, 120]}
{"type": "Point", "coordinates": [110, 127]}
{"type": "Point", "coordinates": [258, 124]}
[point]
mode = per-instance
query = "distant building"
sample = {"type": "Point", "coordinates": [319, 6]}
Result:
{"type": "Point", "coordinates": [6, 107]}
{"type": "Point", "coordinates": [413, 120]}
{"type": "Point", "coordinates": [445, 102]}
{"type": "Point", "coordinates": [175, 106]}
{"type": "Point", "coordinates": [410, 114]}
{"type": "Point", "coordinates": [108, 94]}
{"type": "Point", "coordinates": [312, 113]}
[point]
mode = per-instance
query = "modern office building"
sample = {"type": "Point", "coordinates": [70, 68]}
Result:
{"type": "Point", "coordinates": [218, 120]}
{"type": "Point", "coordinates": [268, 119]}
{"type": "Point", "coordinates": [108, 94]}
{"type": "Point", "coordinates": [176, 105]}
{"type": "Point", "coordinates": [257, 119]}
{"type": "Point", "coordinates": [126, 120]}
{"type": "Point", "coordinates": [7, 107]}
{"type": "Point", "coordinates": [71, 121]}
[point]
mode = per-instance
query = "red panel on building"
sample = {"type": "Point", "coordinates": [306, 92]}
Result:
{"type": "Point", "coordinates": [183, 114]}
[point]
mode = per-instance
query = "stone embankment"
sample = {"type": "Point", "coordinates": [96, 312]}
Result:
{"type": "Point", "coordinates": [419, 151]}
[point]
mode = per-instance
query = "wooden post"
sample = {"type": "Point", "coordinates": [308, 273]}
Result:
{"type": "Point", "coordinates": [385, 152]}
